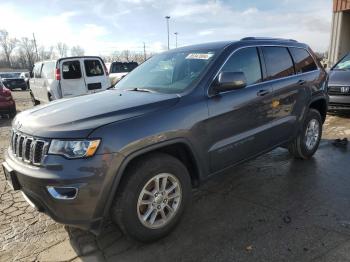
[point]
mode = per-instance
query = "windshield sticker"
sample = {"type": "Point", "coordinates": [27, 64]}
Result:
{"type": "Point", "coordinates": [199, 56]}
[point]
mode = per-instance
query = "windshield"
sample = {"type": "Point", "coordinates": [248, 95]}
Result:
{"type": "Point", "coordinates": [9, 75]}
{"type": "Point", "coordinates": [168, 72]}
{"type": "Point", "coordinates": [343, 64]}
{"type": "Point", "coordinates": [122, 67]}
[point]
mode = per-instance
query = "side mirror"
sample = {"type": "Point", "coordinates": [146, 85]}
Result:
{"type": "Point", "coordinates": [227, 81]}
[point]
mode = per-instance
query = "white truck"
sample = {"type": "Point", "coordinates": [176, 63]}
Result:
{"type": "Point", "coordinates": [67, 77]}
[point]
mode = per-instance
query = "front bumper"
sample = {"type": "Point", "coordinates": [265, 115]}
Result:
{"type": "Point", "coordinates": [339, 102]}
{"type": "Point", "coordinates": [92, 177]}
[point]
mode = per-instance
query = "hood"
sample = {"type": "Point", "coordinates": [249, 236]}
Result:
{"type": "Point", "coordinates": [78, 117]}
{"type": "Point", "coordinates": [338, 77]}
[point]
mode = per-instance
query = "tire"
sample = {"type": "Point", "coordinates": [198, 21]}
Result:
{"type": "Point", "coordinates": [299, 147]}
{"type": "Point", "coordinates": [34, 101]}
{"type": "Point", "coordinates": [12, 113]}
{"type": "Point", "coordinates": [127, 212]}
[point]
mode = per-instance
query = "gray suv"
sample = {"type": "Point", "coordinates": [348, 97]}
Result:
{"type": "Point", "coordinates": [134, 152]}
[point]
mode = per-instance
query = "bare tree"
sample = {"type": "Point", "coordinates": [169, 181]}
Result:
{"type": "Point", "coordinates": [7, 44]}
{"type": "Point", "coordinates": [77, 51]}
{"type": "Point", "coordinates": [62, 49]}
{"type": "Point", "coordinates": [125, 55]}
{"type": "Point", "coordinates": [27, 51]}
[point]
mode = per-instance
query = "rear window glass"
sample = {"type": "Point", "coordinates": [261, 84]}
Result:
{"type": "Point", "coordinates": [303, 60]}
{"type": "Point", "coordinates": [93, 67]}
{"type": "Point", "coordinates": [122, 67]}
{"type": "Point", "coordinates": [71, 69]}
{"type": "Point", "coordinates": [278, 62]}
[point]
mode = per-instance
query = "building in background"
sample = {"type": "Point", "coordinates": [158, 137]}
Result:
{"type": "Point", "coordinates": [340, 35]}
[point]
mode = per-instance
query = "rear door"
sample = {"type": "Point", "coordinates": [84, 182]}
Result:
{"type": "Point", "coordinates": [289, 92]}
{"type": "Point", "coordinates": [95, 76]}
{"type": "Point", "coordinates": [72, 79]}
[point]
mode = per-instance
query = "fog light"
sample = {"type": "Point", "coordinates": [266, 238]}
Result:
{"type": "Point", "coordinates": [63, 193]}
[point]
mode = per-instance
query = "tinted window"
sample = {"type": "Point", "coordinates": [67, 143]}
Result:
{"type": "Point", "coordinates": [343, 64]}
{"type": "Point", "coordinates": [37, 70]}
{"type": "Point", "coordinates": [93, 67]}
{"type": "Point", "coordinates": [303, 60]}
{"type": "Point", "coordinates": [48, 70]}
{"type": "Point", "coordinates": [278, 62]}
{"type": "Point", "coordinates": [247, 61]}
{"type": "Point", "coordinates": [71, 69]}
{"type": "Point", "coordinates": [122, 67]}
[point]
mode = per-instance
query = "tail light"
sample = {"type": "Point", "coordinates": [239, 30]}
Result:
{"type": "Point", "coordinates": [58, 74]}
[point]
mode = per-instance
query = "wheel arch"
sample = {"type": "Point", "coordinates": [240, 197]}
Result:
{"type": "Point", "coordinates": [321, 105]}
{"type": "Point", "coordinates": [179, 148]}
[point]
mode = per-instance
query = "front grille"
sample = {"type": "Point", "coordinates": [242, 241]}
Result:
{"type": "Point", "coordinates": [339, 90]}
{"type": "Point", "coordinates": [28, 149]}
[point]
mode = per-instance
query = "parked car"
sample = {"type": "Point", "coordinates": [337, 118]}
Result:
{"type": "Point", "coordinates": [7, 104]}
{"type": "Point", "coordinates": [117, 70]}
{"type": "Point", "coordinates": [13, 81]}
{"type": "Point", "coordinates": [133, 152]}
{"type": "Point", "coordinates": [67, 77]}
{"type": "Point", "coordinates": [339, 85]}
{"type": "Point", "coordinates": [26, 77]}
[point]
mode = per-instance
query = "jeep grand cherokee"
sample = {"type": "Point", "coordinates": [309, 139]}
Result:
{"type": "Point", "coordinates": [133, 153]}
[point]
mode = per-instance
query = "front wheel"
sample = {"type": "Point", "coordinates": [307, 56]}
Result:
{"type": "Point", "coordinates": [152, 197]}
{"type": "Point", "coordinates": [306, 143]}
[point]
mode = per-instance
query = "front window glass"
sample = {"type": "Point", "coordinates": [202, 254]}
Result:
{"type": "Point", "coordinates": [245, 61]}
{"type": "Point", "coordinates": [168, 72]}
{"type": "Point", "coordinates": [343, 64]}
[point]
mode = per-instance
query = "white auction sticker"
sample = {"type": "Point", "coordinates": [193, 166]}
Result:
{"type": "Point", "coordinates": [199, 56]}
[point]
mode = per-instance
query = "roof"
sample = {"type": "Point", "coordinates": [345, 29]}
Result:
{"type": "Point", "coordinates": [242, 42]}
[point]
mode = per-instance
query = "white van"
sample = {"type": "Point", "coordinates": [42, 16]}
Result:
{"type": "Point", "coordinates": [67, 77]}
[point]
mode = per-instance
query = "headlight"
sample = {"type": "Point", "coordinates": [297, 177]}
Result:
{"type": "Point", "coordinates": [74, 149]}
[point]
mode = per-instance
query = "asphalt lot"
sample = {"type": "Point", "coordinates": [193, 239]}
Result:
{"type": "Point", "coordinates": [273, 208]}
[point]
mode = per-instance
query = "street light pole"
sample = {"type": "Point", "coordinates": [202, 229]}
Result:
{"type": "Point", "coordinates": [167, 26]}
{"type": "Point", "coordinates": [176, 33]}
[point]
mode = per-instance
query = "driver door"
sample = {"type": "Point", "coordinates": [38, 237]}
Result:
{"type": "Point", "coordinates": [239, 120]}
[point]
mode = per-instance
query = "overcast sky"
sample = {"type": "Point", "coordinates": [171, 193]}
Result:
{"type": "Point", "coordinates": [104, 26]}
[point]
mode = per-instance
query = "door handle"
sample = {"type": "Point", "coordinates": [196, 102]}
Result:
{"type": "Point", "coordinates": [301, 82]}
{"type": "Point", "coordinates": [262, 92]}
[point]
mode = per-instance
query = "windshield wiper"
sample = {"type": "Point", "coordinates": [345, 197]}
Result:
{"type": "Point", "coordinates": [137, 89]}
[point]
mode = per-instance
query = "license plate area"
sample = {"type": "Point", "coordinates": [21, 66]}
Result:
{"type": "Point", "coordinates": [11, 177]}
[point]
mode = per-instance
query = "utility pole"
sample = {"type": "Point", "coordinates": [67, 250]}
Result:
{"type": "Point", "coordinates": [176, 33]}
{"type": "Point", "coordinates": [144, 51]}
{"type": "Point", "coordinates": [36, 48]}
{"type": "Point", "coordinates": [167, 26]}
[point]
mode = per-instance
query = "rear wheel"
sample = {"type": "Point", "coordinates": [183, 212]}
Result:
{"type": "Point", "coordinates": [306, 143]}
{"type": "Point", "coordinates": [152, 197]}
{"type": "Point", "coordinates": [34, 101]}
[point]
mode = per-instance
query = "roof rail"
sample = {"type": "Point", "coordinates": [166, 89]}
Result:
{"type": "Point", "coordinates": [267, 39]}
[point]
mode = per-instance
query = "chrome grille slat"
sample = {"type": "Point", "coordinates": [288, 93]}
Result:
{"type": "Point", "coordinates": [28, 149]}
